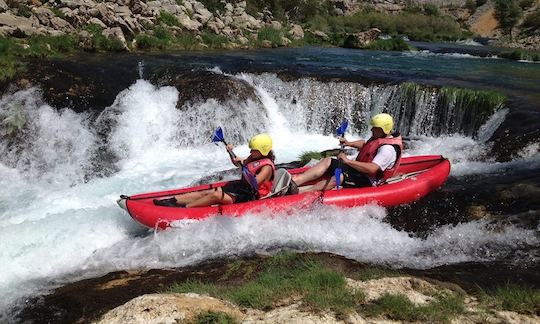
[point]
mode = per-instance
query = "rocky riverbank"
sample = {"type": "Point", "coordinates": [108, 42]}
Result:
{"type": "Point", "coordinates": [458, 293]}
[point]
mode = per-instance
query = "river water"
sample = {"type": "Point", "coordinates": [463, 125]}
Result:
{"type": "Point", "coordinates": [59, 221]}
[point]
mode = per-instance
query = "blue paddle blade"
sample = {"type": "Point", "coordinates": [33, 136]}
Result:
{"type": "Point", "coordinates": [337, 174]}
{"type": "Point", "coordinates": [251, 179]}
{"type": "Point", "coordinates": [342, 128]}
{"type": "Point", "coordinates": [218, 135]}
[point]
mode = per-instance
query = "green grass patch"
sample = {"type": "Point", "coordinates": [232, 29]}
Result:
{"type": "Point", "coordinates": [270, 34]}
{"type": "Point", "coordinates": [399, 307]}
{"type": "Point", "coordinates": [283, 276]}
{"type": "Point", "coordinates": [310, 155]}
{"type": "Point", "coordinates": [211, 317]}
{"type": "Point", "coordinates": [57, 12]}
{"type": "Point", "coordinates": [371, 273]}
{"type": "Point", "coordinates": [167, 19]}
{"type": "Point", "coordinates": [394, 44]}
{"type": "Point", "coordinates": [100, 42]}
{"type": "Point", "coordinates": [213, 40]}
{"type": "Point", "coordinates": [24, 10]}
{"type": "Point", "coordinates": [514, 298]}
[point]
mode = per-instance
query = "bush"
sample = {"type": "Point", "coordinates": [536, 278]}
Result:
{"type": "Point", "coordinates": [297, 10]}
{"type": "Point", "coordinates": [431, 9]}
{"type": "Point", "coordinates": [471, 5]}
{"type": "Point", "coordinates": [270, 34]}
{"type": "Point", "coordinates": [507, 13]}
{"type": "Point", "coordinates": [167, 19]}
{"type": "Point", "coordinates": [532, 22]}
{"type": "Point", "coordinates": [213, 40]}
{"type": "Point", "coordinates": [58, 13]}
{"type": "Point", "coordinates": [525, 4]}
{"type": "Point", "coordinates": [480, 3]}
{"type": "Point", "coordinates": [394, 44]}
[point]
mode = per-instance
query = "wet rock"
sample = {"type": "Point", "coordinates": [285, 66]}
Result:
{"type": "Point", "coordinates": [478, 212]}
{"type": "Point", "coordinates": [360, 40]}
{"type": "Point", "coordinates": [168, 308]}
{"type": "Point", "coordinates": [207, 85]}
{"type": "Point", "coordinates": [525, 191]}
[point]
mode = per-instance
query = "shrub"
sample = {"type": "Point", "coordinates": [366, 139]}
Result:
{"type": "Point", "coordinates": [471, 5]}
{"type": "Point", "coordinates": [507, 13]}
{"type": "Point", "coordinates": [532, 22]}
{"type": "Point", "coordinates": [270, 34]}
{"type": "Point", "coordinates": [211, 317]}
{"type": "Point", "coordinates": [213, 40]}
{"type": "Point", "coordinates": [480, 3]}
{"type": "Point", "coordinates": [431, 9]}
{"type": "Point", "coordinates": [167, 19]}
{"type": "Point", "coordinates": [24, 10]}
{"type": "Point", "coordinates": [525, 4]}
{"type": "Point", "coordinates": [394, 44]}
{"type": "Point", "coordinates": [58, 13]}
{"type": "Point", "coordinates": [213, 5]}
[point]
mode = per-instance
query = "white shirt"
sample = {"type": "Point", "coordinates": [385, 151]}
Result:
{"type": "Point", "coordinates": [385, 158]}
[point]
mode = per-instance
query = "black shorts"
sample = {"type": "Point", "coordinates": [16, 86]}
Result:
{"type": "Point", "coordinates": [351, 177]}
{"type": "Point", "coordinates": [240, 191]}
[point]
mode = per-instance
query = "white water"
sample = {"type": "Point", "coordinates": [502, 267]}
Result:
{"type": "Point", "coordinates": [54, 226]}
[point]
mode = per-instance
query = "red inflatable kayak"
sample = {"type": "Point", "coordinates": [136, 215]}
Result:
{"type": "Point", "coordinates": [416, 177]}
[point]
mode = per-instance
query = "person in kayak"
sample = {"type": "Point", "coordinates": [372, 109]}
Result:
{"type": "Point", "coordinates": [379, 158]}
{"type": "Point", "coordinates": [257, 179]}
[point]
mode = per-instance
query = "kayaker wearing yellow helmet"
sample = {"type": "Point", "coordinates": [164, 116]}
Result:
{"type": "Point", "coordinates": [379, 158]}
{"type": "Point", "coordinates": [257, 179]}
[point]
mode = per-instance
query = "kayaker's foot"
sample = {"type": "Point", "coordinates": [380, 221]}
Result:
{"type": "Point", "coordinates": [293, 188]}
{"type": "Point", "coordinates": [169, 202]}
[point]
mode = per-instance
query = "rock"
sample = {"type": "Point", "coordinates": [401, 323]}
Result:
{"type": "Point", "coordinates": [276, 25]}
{"type": "Point", "coordinates": [298, 314]}
{"type": "Point", "coordinates": [60, 24]}
{"type": "Point", "coordinates": [44, 15]}
{"type": "Point", "coordinates": [515, 318]}
{"type": "Point", "coordinates": [417, 290]}
{"type": "Point", "coordinates": [245, 21]}
{"type": "Point", "coordinates": [116, 34]}
{"type": "Point", "coordinates": [98, 22]}
{"type": "Point", "coordinates": [321, 35]}
{"type": "Point", "coordinates": [266, 44]}
{"type": "Point", "coordinates": [85, 40]}
{"type": "Point", "coordinates": [297, 32]}
{"type": "Point", "coordinates": [242, 40]}
{"type": "Point", "coordinates": [285, 41]}
{"type": "Point", "coordinates": [168, 308]}
{"type": "Point", "coordinates": [189, 7]}
{"type": "Point", "coordinates": [202, 14]}
{"type": "Point", "coordinates": [360, 40]}
{"type": "Point", "coordinates": [123, 11]}
{"type": "Point", "coordinates": [3, 6]}
{"type": "Point", "coordinates": [19, 26]}
{"type": "Point", "coordinates": [478, 212]}
{"type": "Point", "coordinates": [187, 23]}
{"type": "Point", "coordinates": [216, 25]}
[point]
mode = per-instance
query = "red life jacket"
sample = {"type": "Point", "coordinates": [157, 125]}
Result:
{"type": "Point", "coordinates": [253, 168]}
{"type": "Point", "coordinates": [369, 150]}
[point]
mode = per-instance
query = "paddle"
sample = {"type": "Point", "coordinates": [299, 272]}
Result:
{"type": "Point", "coordinates": [218, 137]}
{"type": "Point", "coordinates": [340, 132]}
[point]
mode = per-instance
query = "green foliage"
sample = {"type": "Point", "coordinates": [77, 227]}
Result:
{"type": "Point", "coordinates": [297, 10]}
{"type": "Point", "coordinates": [431, 9]}
{"type": "Point", "coordinates": [213, 40]}
{"type": "Point", "coordinates": [480, 3]}
{"type": "Point", "coordinates": [270, 34]}
{"type": "Point", "coordinates": [394, 44]}
{"type": "Point", "coordinates": [507, 13]}
{"type": "Point", "coordinates": [399, 307]}
{"type": "Point", "coordinates": [284, 275]}
{"type": "Point", "coordinates": [8, 67]}
{"type": "Point", "coordinates": [371, 273]}
{"type": "Point", "coordinates": [518, 55]}
{"type": "Point", "coordinates": [167, 19]}
{"type": "Point", "coordinates": [24, 10]}
{"type": "Point", "coordinates": [525, 4]}
{"type": "Point", "coordinates": [211, 317]}
{"type": "Point", "coordinates": [532, 22]}
{"type": "Point", "coordinates": [514, 298]}
{"type": "Point", "coordinates": [309, 155]}
{"type": "Point", "coordinates": [213, 5]}
{"type": "Point", "coordinates": [100, 42]}
{"type": "Point", "coordinates": [58, 13]}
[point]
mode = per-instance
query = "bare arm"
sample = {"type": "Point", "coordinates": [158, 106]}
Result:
{"type": "Point", "coordinates": [368, 168]}
{"type": "Point", "coordinates": [356, 144]}
{"type": "Point", "coordinates": [265, 174]}
{"type": "Point", "coordinates": [235, 160]}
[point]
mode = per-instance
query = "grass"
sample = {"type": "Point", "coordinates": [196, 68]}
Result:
{"type": "Point", "coordinates": [310, 155]}
{"type": "Point", "coordinates": [398, 307]}
{"type": "Point", "coordinates": [213, 40]}
{"type": "Point", "coordinates": [167, 19]}
{"type": "Point", "coordinates": [518, 54]}
{"type": "Point", "coordinates": [270, 34]}
{"type": "Point", "coordinates": [394, 44]}
{"type": "Point", "coordinates": [371, 273]}
{"type": "Point", "coordinates": [57, 12]}
{"type": "Point", "coordinates": [283, 276]}
{"type": "Point", "coordinates": [512, 297]}
{"type": "Point", "coordinates": [211, 317]}
{"type": "Point", "coordinates": [100, 42]}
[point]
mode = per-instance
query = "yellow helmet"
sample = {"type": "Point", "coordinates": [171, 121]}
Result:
{"type": "Point", "coordinates": [262, 143]}
{"type": "Point", "coordinates": [383, 121]}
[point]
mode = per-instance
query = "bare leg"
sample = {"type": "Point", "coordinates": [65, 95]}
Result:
{"type": "Point", "coordinates": [322, 185]}
{"type": "Point", "coordinates": [214, 197]}
{"type": "Point", "coordinates": [186, 198]}
{"type": "Point", "coordinates": [313, 173]}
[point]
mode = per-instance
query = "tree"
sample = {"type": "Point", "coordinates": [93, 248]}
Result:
{"type": "Point", "coordinates": [507, 13]}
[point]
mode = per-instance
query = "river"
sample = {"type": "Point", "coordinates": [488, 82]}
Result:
{"type": "Point", "coordinates": [61, 172]}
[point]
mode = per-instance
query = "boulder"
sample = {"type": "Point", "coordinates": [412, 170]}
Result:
{"type": "Point", "coordinates": [275, 25]}
{"type": "Point", "coordinates": [19, 26]}
{"type": "Point", "coordinates": [285, 41]}
{"type": "Point", "coordinates": [360, 40]}
{"type": "Point", "coordinates": [96, 21]}
{"type": "Point", "coordinates": [85, 40]}
{"type": "Point", "coordinates": [297, 32]}
{"type": "Point", "coordinates": [168, 308]}
{"type": "Point", "coordinates": [3, 6]}
{"type": "Point", "coordinates": [116, 34]}
{"type": "Point", "coordinates": [60, 24]}
{"type": "Point", "coordinates": [44, 15]}
{"type": "Point", "coordinates": [123, 11]}
{"type": "Point", "coordinates": [266, 44]}
{"type": "Point", "coordinates": [187, 23]}
{"type": "Point", "coordinates": [321, 35]}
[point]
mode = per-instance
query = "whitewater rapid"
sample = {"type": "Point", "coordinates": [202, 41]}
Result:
{"type": "Point", "coordinates": [56, 225]}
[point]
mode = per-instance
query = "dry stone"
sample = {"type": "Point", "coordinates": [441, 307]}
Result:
{"type": "Point", "coordinates": [297, 32]}
{"type": "Point", "coordinates": [167, 308]}
{"type": "Point", "coordinates": [60, 24]}
{"type": "Point", "coordinates": [96, 21]}
{"type": "Point", "coordinates": [116, 34]}
{"type": "Point", "coordinates": [360, 40]}
{"type": "Point", "coordinates": [3, 6]}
